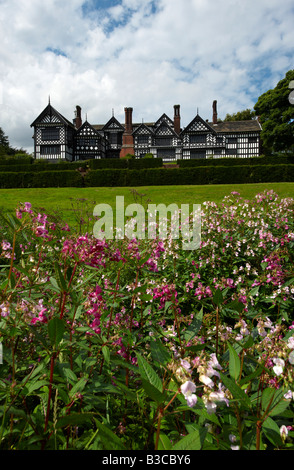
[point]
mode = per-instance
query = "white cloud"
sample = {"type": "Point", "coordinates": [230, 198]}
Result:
{"type": "Point", "coordinates": [141, 53]}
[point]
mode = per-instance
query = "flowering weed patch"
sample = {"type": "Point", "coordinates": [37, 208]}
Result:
{"type": "Point", "coordinates": [139, 344]}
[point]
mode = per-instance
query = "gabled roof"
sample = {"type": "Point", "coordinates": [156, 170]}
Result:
{"type": "Point", "coordinates": [164, 117]}
{"type": "Point", "coordinates": [53, 116]}
{"type": "Point", "coordinates": [113, 123]}
{"type": "Point", "coordinates": [143, 127]}
{"type": "Point", "coordinates": [251, 125]}
{"type": "Point", "coordinates": [198, 125]}
{"type": "Point", "coordinates": [86, 124]}
{"type": "Point", "coordinates": [166, 125]}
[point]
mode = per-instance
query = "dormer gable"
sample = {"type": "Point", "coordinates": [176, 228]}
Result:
{"type": "Point", "coordinates": [51, 116]}
{"type": "Point", "coordinates": [113, 125]}
{"type": "Point", "coordinates": [87, 130]}
{"type": "Point", "coordinates": [164, 119]}
{"type": "Point", "coordinates": [198, 125]}
{"type": "Point", "coordinates": [142, 129]}
{"type": "Point", "coordinates": [164, 129]}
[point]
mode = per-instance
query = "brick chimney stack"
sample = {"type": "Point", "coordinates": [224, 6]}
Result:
{"type": "Point", "coordinates": [127, 138]}
{"type": "Point", "coordinates": [177, 119]}
{"type": "Point", "coordinates": [78, 119]}
{"type": "Point", "coordinates": [214, 112]}
{"type": "Point", "coordinates": [129, 120]}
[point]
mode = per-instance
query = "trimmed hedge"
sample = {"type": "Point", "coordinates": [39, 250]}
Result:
{"type": "Point", "coordinates": [191, 176]}
{"type": "Point", "coordinates": [113, 163]}
{"type": "Point", "coordinates": [11, 161]}
{"type": "Point", "coordinates": [262, 160]}
{"type": "Point", "coordinates": [145, 163]}
{"type": "Point", "coordinates": [124, 163]}
{"type": "Point", "coordinates": [150, 176]}
{"type": "Point", "coordinates": [43, 179]}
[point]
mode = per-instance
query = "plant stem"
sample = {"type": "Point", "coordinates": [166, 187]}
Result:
{"type": "Point", "coordinates": [11, 261]}
{"type": "Point", "coordinates": [114, 297]}
{"type": "Point", "coordinates": [111, 313]}
{"type": "Point", "coordinates": [130, 326]}
{"type": "Point", "coordinates": [50, 390]}
{"type": "Point", "coordinates": [160, 415]}
{"type": "Point", "coordinates": [217, 326]}
{"type": "Point", "coordinates": [258, 430]}
{"type": "Point", "coordinates": [66, 293]}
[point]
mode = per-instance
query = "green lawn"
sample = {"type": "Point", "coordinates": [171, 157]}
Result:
{"type": "Point", "coordinates": [61, 200]}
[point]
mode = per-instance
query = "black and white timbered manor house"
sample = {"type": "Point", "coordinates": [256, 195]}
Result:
{"type": "Point", "coordinates": [56, 138]}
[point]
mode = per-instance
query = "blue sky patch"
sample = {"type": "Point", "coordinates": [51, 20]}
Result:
{"type": "Point", "coordinates": [56, 51]}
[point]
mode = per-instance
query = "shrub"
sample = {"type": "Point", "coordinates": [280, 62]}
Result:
{"type": "Point", "coordinates": [135, 344]}
{"type": "Point", "coordinates": [262, 160]}
{"type": "Point", "coordinates": [41, 179]}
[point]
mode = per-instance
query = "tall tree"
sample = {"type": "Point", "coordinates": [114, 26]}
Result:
{"type": "Point", "coordinates": [245, 115]}
{"type": "Point", "coordinates": [4, 142]}
{"type": "Point", "coordinates": [6, 149]}
{"type": "Point", "coordinates": [276, 116]}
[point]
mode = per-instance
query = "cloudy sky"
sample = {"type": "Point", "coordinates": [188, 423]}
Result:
{"type": "Point", "coordinates": [148, 54]}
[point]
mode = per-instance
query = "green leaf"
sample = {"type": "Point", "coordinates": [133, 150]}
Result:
{"type": "Point", "coordinates": [39, 337]}
{"type": "Point", "coordinates": [79, 386]}
{"type": "Point", "coordinates": [65, 371]}
{"type": "Point", "coordinates": [218, 297]}
{"type": "Point", "coordinates": [30, 388]}
{"type": "Point", "coordinates": [272, 431]}
{"type": "Point", "coordinates": [106, 354]}
{"type": "Point", "coordinates": [273, 402]}
{"type": "Point", "coordinates": [235, 306]}
{"type": "Point", "coordinates": [257, 373]}
{"type": "Point", "coordinates": [194, 327]}
{"type": "Point", "coordinates": [14, 222]}
{"type": "Point", "coordinates": [4, 284]}
{"type": "Point", "coordinates": [127, 392]}
{"type": "Point", "coordinates": [110, 440]}
{"type": "Point", "coordinates": [236, 391]}
{"type": "Point", "coordinates": [202, 412]}
{"type": "Point", "coordinates": [234, 363]}
{"type": "Point", "coordinates": [56, 330]}
{"type": "Point", "coordinates": [60, 278]}
{"type": "Point", "coordinates": [164, 442]}
{"type": "Point", "coordinates": [74, 419]}
{"type": "Point", "coordinates": [254, 291]}
{"type": "Point", "coordinates": [153, 392]}
{"type": "Point", "coordinates": [148, 373]}
{"type": "Point", "coordinates": [54, 284]}
{"type": "Point", "coordinates": [159, 353]}
{"type": "Point", "coordinates": [193, 441]}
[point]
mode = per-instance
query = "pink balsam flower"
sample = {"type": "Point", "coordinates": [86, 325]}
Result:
{"type": "Point", "coordinates": [188, 388]}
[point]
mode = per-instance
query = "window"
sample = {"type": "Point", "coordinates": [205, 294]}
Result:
{"type": "Point", "coordinates": [115, 138]}
{"type": "Point", "coordinates": [231, 151]}
{"type": "Point", "coordinates": [163, 141]}
{"type": "Point", "coordinates": [166, 153]}
{"type": "Point", "coordinates": [50, 133]}
{"type": "Point", "coordinates": [50, 150]}
{"type": "Point", "coordinates": [143, 139]}
{"type": "Point", "coordinates": [198, 139]}
{"type": "Point", "coordinates": [195, 154]}
{"type": "Point", "coordinates": [252, 140]}
{"type": "Point", "coordinates": [232, 140]}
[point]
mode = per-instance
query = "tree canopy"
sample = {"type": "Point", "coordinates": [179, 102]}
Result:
{"type": "Point", "coordinates": [245, 115]}
{"type": "Point", "coordinates": [4, 143]}
{"type": "Point", "coordinates": [276, 116]}
{"type": "Point", "coordinates": [5, 147]}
